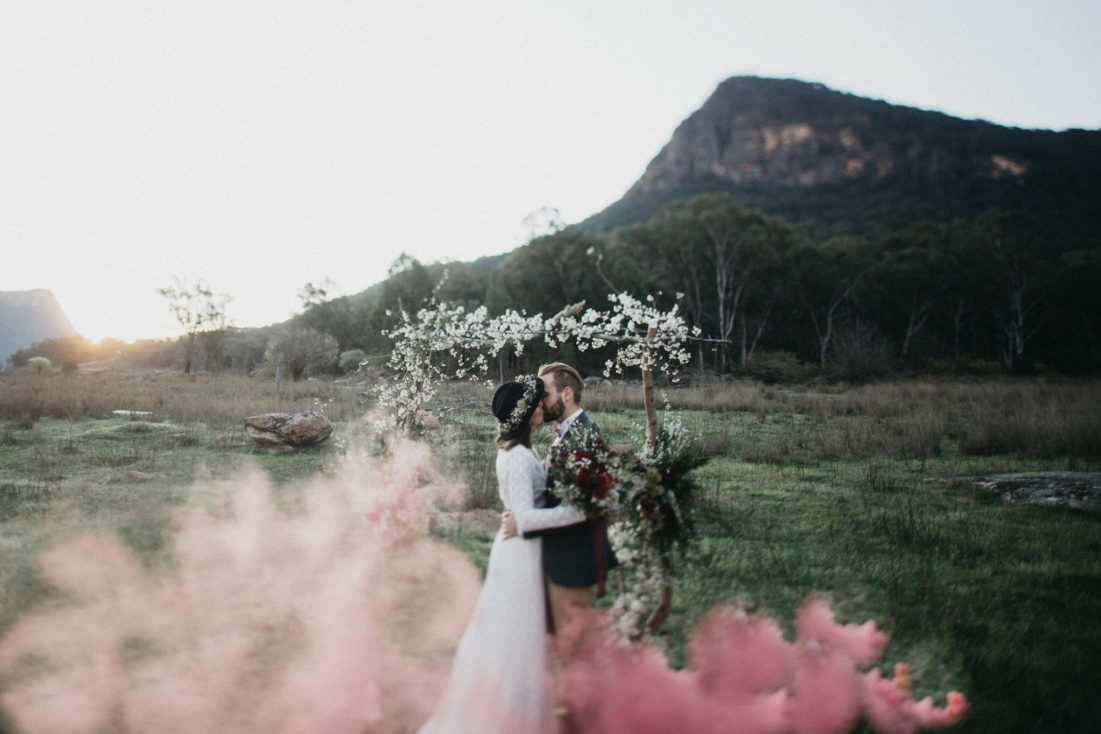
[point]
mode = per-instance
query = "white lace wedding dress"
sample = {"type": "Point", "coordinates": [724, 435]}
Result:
{"type": "Point", "coordinates": [500, 680]}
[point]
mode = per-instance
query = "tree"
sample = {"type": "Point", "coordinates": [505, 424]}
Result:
{"type": "Point", "coordinates": [40, 364]}
{"type": "Point", "coordinates": [549, 270]}
{"type": "Point", "coordinates": [717, 251]}
{"type": "Point", "coordinates": [1075, 339]}
{"type": "Point", "coordinates": [1017, 279]}
{"type": "Point", "coordinates": [197, 309]}
{"type": "Point", "coordinates": [62, 350]}
{"type": "Point", "coordinates": [908, 281]}
{"type": "Point", "coordinates": [304, 352]}
{"type": "Point", "coordinates": [332, 314]}
{"type": "Point", "coordinates": [408, 285]}
{"type": "Point", "coordinates": [827, 275]}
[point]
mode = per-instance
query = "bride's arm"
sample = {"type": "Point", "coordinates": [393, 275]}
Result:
{"type": "Point", "coordinates": [521, 493]}
{"type": "Point", "coordinates": [537, 519]}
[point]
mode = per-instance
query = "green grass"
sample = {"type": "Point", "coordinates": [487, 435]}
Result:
{"type": "Point", "coordinates": [852, 500]}
{"type": "Point", "coordinates": [117, 474]}
{"type": "Point", "coordinates": [844, 492]}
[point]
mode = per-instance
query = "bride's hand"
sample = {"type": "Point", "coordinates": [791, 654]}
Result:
{"type": "Point", "coordinates": [508, 525]}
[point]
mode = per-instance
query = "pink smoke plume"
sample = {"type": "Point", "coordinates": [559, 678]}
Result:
{"type": "Point", "coordinates": [743, 678]}
{"type": "Point", "coordinates": [339, 616]}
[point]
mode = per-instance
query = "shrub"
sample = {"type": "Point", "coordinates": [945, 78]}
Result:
{"type": "Point", "coordinates": [776, 366]}
{"type": "Point", "coordinates": [40, 364]}
{"type": "Point", "coordinates": [351, 360]}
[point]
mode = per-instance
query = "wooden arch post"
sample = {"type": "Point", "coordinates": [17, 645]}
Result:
{"type": "Point", "coordinates": [662, 612]}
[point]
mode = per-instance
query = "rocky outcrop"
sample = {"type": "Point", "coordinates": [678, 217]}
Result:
{"type": "Point", "coordinates": [790, 133]}
{"type": "Point", "coordinates": [1078, 490]}
{"type": "Point", "coordinates": [307, 428]}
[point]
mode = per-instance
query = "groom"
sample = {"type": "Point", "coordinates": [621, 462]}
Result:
{"type": "Point", "coordinates": [572, 560]}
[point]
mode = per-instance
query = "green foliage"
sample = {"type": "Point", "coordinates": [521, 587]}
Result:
{"type": "Point", "coordinates": [304, 352]}
{"type": "Point", "coordinates": [351, 360]}
{"type": "Point", "coordinates": [58, 351]}
{"type": "Point", "coordinates": [548, 273]}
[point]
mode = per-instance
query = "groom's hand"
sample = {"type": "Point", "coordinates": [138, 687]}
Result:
{"type": "Point", "coordinates": [508, 524]}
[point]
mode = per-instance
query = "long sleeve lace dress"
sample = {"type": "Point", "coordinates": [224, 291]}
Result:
{"type": "Point", "coordinates": [499, 681]}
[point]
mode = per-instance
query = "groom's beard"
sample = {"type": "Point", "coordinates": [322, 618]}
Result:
{"type": "Point", "coordinates": [554, 411]}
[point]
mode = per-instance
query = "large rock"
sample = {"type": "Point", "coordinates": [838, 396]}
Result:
{"type": "Point", "coordinates": [289, 429]}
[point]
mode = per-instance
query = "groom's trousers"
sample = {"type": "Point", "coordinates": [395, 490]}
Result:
{"type": "Point", "coordinates": [562, 601]}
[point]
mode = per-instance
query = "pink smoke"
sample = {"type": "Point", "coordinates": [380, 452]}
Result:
{"type": "Point", "coordinates": [336, 617]}
{"type": "Point", "coordinates": [743, 678]}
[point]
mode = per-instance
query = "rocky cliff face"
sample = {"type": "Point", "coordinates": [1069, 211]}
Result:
{"type": "Point", "coordinates": [791, 133]}
{"type": "Point", "coordinates": [27, 317]}
{"type": "Point", "coordinates": [834, 163]}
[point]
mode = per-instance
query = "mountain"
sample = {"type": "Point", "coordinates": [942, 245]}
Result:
{"type": "Point", "coordinates": [832, 162]}
{"type": "Point", "coordinates": [27, 317]}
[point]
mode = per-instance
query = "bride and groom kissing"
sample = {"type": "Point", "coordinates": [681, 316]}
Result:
{"type": "Point", "coordinates": [544, 563]}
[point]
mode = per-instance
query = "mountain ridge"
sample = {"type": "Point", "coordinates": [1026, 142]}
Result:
{"type": "Point", "coordinates": [30, 316]}
{"type": "Point", "coordinates": [814, 155]}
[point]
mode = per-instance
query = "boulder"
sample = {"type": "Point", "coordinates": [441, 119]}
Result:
{"type": "Point", "coordinates": [289, 429]}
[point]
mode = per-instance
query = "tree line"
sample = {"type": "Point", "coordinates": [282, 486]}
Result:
{"type": "Point", "coordinates": [991, 293]}
{"type": "Point", "coordinates": [988, 293]}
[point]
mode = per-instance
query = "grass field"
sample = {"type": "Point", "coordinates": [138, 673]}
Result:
{"type": "Point", "coordinates": [850, 492]}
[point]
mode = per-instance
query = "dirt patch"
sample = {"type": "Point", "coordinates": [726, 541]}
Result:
{"type": "Point", "coordinates": [1078, 490]}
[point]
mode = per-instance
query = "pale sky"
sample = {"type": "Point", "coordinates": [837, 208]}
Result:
{"type": "Point", "coordinates": [259, 146]}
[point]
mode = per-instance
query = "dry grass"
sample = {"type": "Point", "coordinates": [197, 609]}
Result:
{"type": "Point", "coordinates": [718, 397]}
{"type": "Point", "coordinates": [914, 419]}
{"type": "Point", "coordinates": [216, 400]}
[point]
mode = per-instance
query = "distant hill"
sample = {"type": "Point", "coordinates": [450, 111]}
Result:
{"type": "Point", "coordinates": [831, 162]}
{"type": "Point", "coordinates": [27, 317]}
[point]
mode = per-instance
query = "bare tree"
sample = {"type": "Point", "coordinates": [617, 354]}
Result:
{"type": "Point", "coordinates": [198, 310]}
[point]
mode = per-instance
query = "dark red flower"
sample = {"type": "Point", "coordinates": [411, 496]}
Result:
{"type": "Point", "coordinates": [602, 484]}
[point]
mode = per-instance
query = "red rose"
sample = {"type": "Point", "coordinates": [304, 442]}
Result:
{"type": "Point", "coordinates": [602, 484]}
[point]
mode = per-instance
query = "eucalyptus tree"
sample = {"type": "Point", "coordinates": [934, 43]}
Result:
{"type": "Point", "coordinates": [325, 310]}
{"type": "Point", "coordinates": [548, 271]}
{"type": "Point", "coordinates": [908, 283]}
{"type": "Point", "coordinates": [542, 275]}
{"type": "Point", "coordinates": [199, 310]}
{"type": "Point", "coordinates": [826, 277]}
{"type": "Point", "coordinates": [1075, 312]}
{"type": "Point", "coordinates": [719, 252]}
{"type": "Point", "coordinates": [1015, 282]}
{"type": "Point", "coordinates": [408, 284]}
{"type": "Point", "coordinates": [303, 351]}
{"type": "Point", "coordinates": [963, 284]}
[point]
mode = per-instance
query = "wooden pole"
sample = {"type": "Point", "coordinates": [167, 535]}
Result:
{"type": "Point", "coordinates": [665, 604]}
{"type": "Point", "coordinates": [648, 394]}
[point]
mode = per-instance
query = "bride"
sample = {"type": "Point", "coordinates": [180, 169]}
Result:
{"type": "Point", "coordinates": [500, 680]}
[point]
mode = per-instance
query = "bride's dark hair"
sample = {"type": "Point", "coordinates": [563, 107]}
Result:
{"type": "Point", "coordinates": [521, 435]}
{"type": "Point", "coordinates": [514, 404]}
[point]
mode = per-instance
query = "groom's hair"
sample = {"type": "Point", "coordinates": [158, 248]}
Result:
{"type": "Point", "coordinates": [564, 376]}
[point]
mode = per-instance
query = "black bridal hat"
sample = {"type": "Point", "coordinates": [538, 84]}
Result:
{"type": "Point", "coordinates": [515, 402]}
